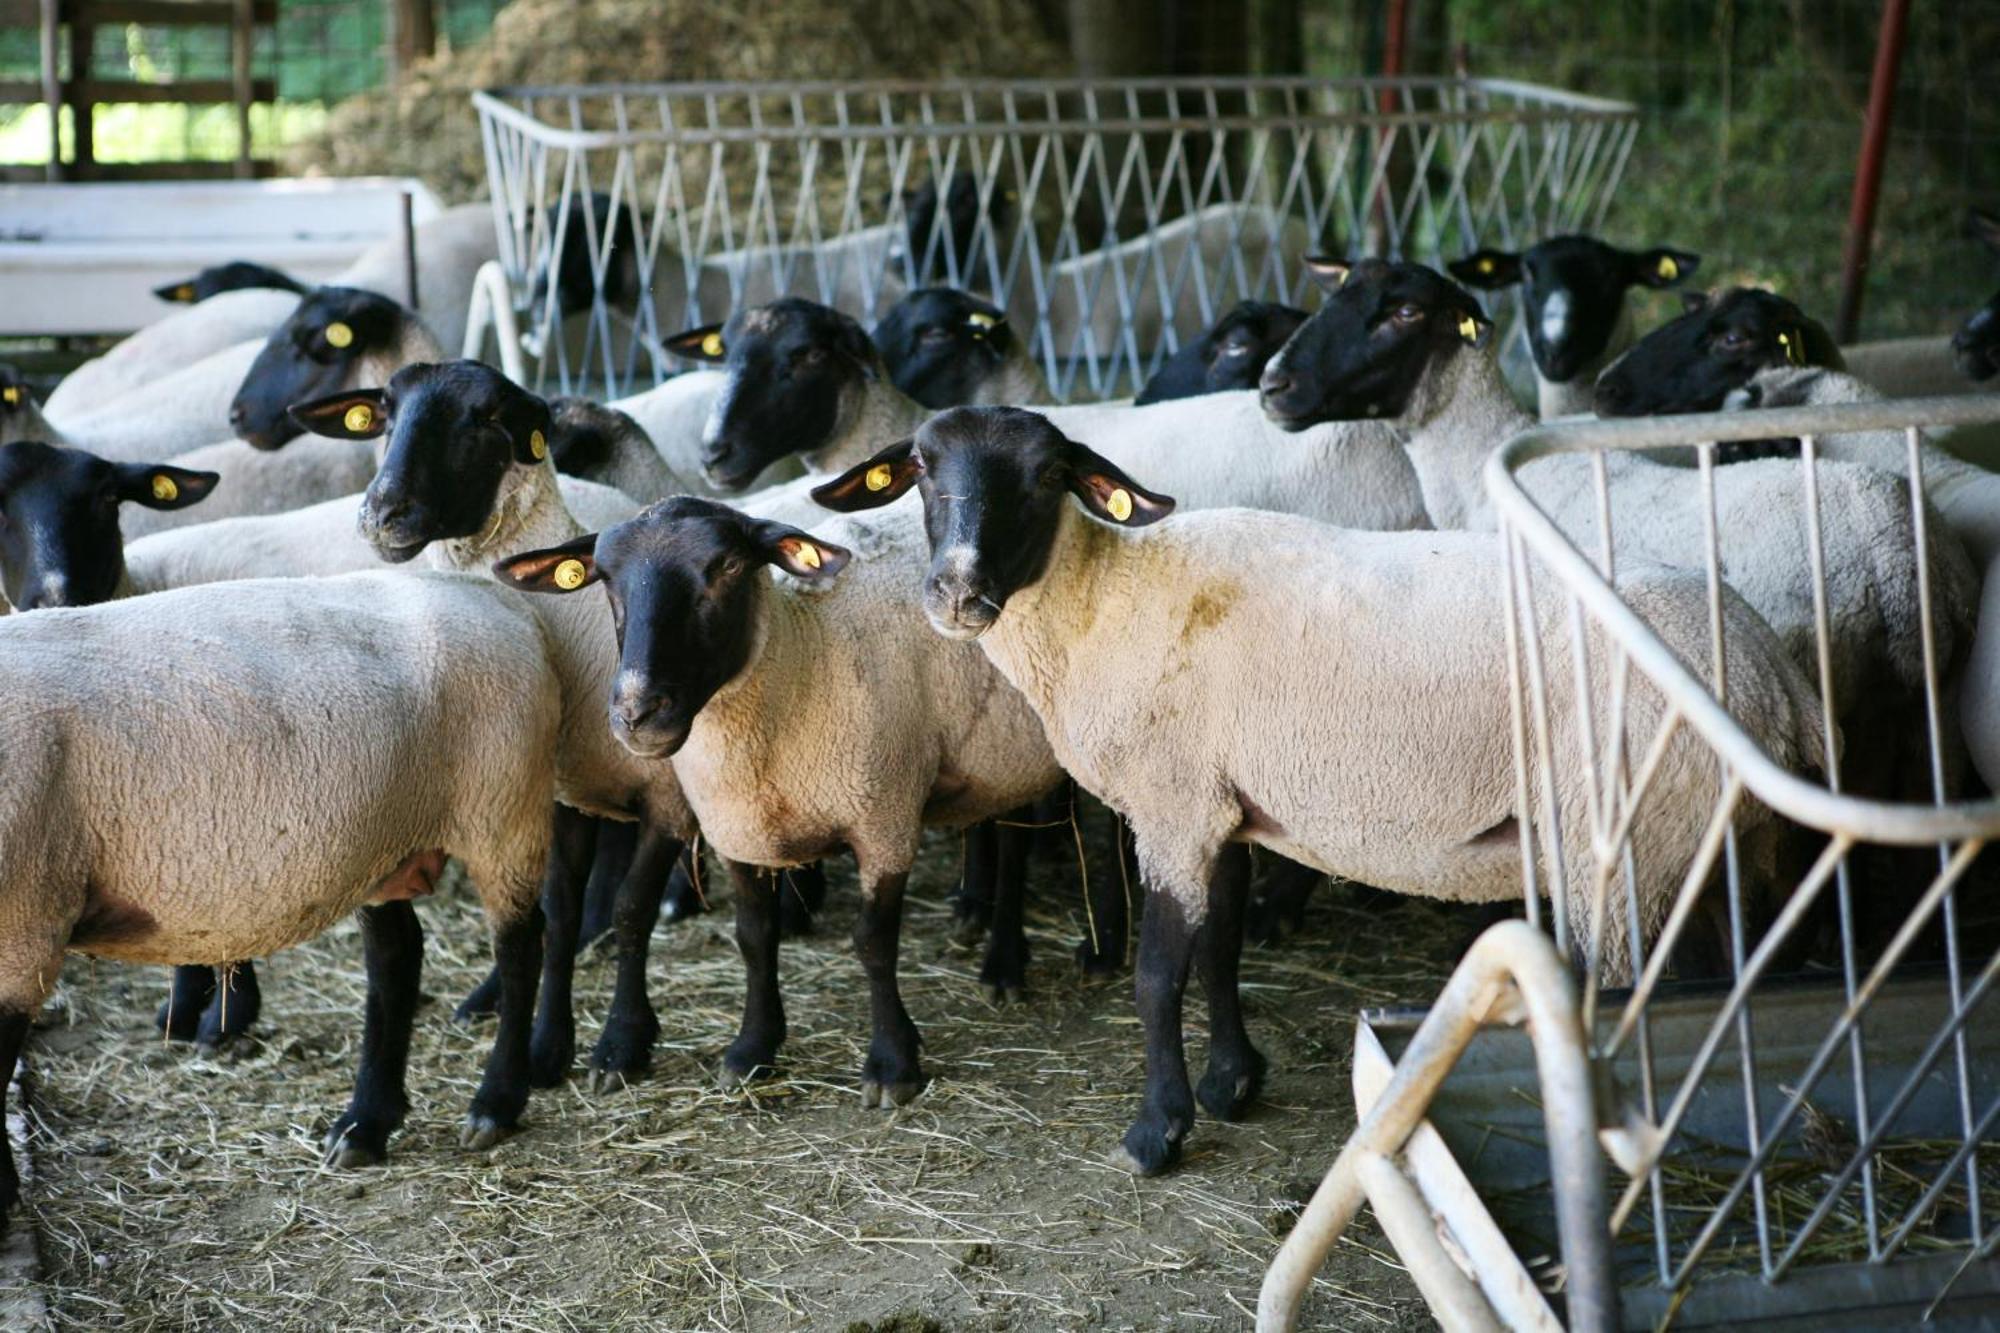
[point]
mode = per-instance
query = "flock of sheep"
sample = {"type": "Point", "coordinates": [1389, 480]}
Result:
{"type": "Point", "coordinates": [1256, 607]}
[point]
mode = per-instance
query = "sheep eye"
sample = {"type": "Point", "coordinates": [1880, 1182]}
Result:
{"type": "Point", "coordinates": [934, 334]}
{"type": "Point", "coordinates": [1732, 341]}
{"type": "Point", "coordinates": [1407, 313]}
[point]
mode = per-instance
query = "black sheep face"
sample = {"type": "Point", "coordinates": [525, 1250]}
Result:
{"type": "Point", "coordinates": [1230, 354]}
{"type": "Point", "coordinates": [315, 352]}
{"type": "Point", "coordinates": [60, 543]}
{"type": "Point", "coordinates": [941, 345]}
{"type": "Point", "coordinates": [1694, 362]}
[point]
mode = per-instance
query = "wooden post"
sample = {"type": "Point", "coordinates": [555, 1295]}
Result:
{"type": "Point", "coordinates": [242, 26]}
{"type": "Point", "coordinates": [83, 149]}
{"type": "Point", "coordinates": [413, 32]}
{"type": "Point", "coordinates": [1868, 173]}
{"type": "Point", "coordinates": [52, 82]}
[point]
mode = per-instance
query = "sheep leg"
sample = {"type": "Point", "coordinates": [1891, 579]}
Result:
{"type": "Point", "coordinates": [625, 1046]}
{"type": "Point", "coordinates": [193, 988]}
{"type": "Point", "coordinates": [1235, 1068]}
{"type": "Point", "coordinates": [1166, 946]}
{"type": "Point", "coordinates": [972, 907]}
{"type": "Point", "coordinates": [616, 841]}
{"type": "Point", "coordinates": [503, 1092]}
{"type": "Point", "coordinates": [1279, 905]}
{"type": "Point", "coordinates": [1004, 974]}
{"type": "Point", "coordinates": [233, 1008]}
{"type": "Point", "coordinates": [801, 895]}
{"type": "Point", "coordinates": [1101, 952]}
{"type": "Point", "coordinates": [755, 1049]}
{"type": "Point", "coordinates": [891, 1075]}
{"type": "Point", "coordinates": [553, 1046]}
{"type": "Point", "coordinates": [392, 950]}
{"type": "Point", "coordinates": [13, 1036]}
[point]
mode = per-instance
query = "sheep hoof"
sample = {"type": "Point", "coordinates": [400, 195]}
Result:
{"type": "Point", "coordinates": [966, 929]}
{"type": "Point", "coordinates": [1226, 1093]}
{"type": "Point", "coordinates": [604, 1082]}
{"type": "Point", "coordinates": [887, 1096]}
{"type": "Point", "coordinates": [1145, 1152]}
{"type": "Point", "coordinates": [351, 1144]}
{"type": "Point", "coordinates": [482, 1132]}
{"type": "Point", "coordinates": [484, 1000]}
{"type": "Point", "coordinates": [1004, 992]}
{"type": "Point", "coordinates": [740, 1072]}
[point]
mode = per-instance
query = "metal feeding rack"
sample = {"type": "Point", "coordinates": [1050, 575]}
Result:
{"type": "Point", "coordinates": [1110, 219]}
{"type": "Point", "coordinates": [1765, 1151]}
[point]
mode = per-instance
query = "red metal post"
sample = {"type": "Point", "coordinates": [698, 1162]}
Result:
{"type": "Point", "coordinates": [1868, 173]}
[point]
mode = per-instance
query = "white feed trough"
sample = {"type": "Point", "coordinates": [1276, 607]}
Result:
{"type": "Point", "coordinates": [77, 259]}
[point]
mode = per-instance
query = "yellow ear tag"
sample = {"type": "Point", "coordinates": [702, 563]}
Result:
{"type": "Point", "coordinates": [979, 319]}
{"type": "Point", "coordinates": [164, 488]}
{"type": "Point", "coordinates": [879, 477]}
{"type": "Point", "coordinates": [1486, 264]}
{"type": "Point", "coordinates": [1468, 329]}
{"type": "Point", "coordinates": [359, 417]}
{"type": "Point", "coordinates": [1669, 268]}
{"type": "Point", "coordinates": [1120, 504]}
{"type": "Point", "coordinates": [11, 395]}
{"type": "Point", "coordinates": [712, 345]}
{"type": "Point", "coordinates": [1795, 347]}
{"type": "Point", "coordinates": [807, 554]}
{"type": "Point", "coordinates": [339, 335]}
{"type": "Point", "coordinates": [538, 445]}
{"type": "Point", "coordinates": [184, 292]}
{"type": "Point", "coordinates": [570, 575]}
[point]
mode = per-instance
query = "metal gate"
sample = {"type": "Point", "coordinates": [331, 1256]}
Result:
{"type": "Point", "coordinates": [1765, 1151]}
{"type": "Point", "coordinates": [1109, 218]}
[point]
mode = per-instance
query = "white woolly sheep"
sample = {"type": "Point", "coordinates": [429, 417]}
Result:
{"type": "Point", "coordinates": [1237, 677]}
{"type": "Point", "coordinates": [168, 345]}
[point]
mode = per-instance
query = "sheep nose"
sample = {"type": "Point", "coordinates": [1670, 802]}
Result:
{"type": "Point", "coordinates": [1274, 382]}
{"type": "Point", "coordinates": [236, 416]}
{"type": "Point", "coordinates": [633, 711]}
{"type": "Point", "coordinates": [1612, 398]}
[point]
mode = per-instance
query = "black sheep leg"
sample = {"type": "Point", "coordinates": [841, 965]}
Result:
{"type": "Point", "coordinates": [972, 906]}
{"type": "Point", "coordinates": [891, 1075]}
{"type": "Point", "coordinates": [13, 1036]}
{"type": "Point", "coordinates": [1235, 1069]}
{"type": "Point", "coordinates": [683, 897]}
{"type": "Point", "coordinates": [755, 1049]}
{"type": "Point", "coordinates": [625, 1047]}
{"type": "Point", "coordinates": [1101, 952]}
{"type": "Point", "coordinates": [503, 1092]}
{"type": "Point", "coordinates": [392, 951]}
{"type": "Point", "coordinates": [233, 1008]}
{"type": "Point", "coordinates": [180, 1016]}
{"type": "Point", "coordinates": [1166, 946]}
{"type": "Point", "coordinates": [1279, 904]}
{"type": "Point", "coordinates": [1004, 974]}
{"type": "Point", "coordinates": [617, 842]}
{"type": "Point", "coordinates": [801, 895]}
{"type": "Point", "coordinates": [553, 1046]}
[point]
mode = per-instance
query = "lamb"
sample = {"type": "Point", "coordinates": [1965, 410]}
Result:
{"type": "Point", "coordinates": [333, 686]}
{"type": "Point", "coordinates": [944, 347]}
{"type": "Point", "coordinates": [1573, 296]}
{"type": "Point", "coordinates": [1967, 496]}
{"type": "Point", "coordinates": [800, 719]}
{"type": "Point", "coordinates": [1976, 345]}
{"type": "Point", "coordinates": [833, 404]}
{"type": "Point", "coordinates": [1401, 342]}
{"type": "Point", "coordinates": [1230, 354]}
{"type": "Point", "coordinates": [1336, 696]}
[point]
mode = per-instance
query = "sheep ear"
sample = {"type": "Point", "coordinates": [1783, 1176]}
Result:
{"type": "Point", "coordinates": [565, 568]}
{"type": "Point", "coordinates": [1111, 495]}
{"type": "Point", "coordinates": [1488, 270]}
{"type": "Point", "coordinates": [1473, 328]}
{"type": "Point", "coordinates": [356, 414]}
{"type": "Point", "coordinates": [1663, 267]}
{"type": "Point", "coordinates": [871, 484]}
{"type": "Point", "coordinates": [1984, 227]}
{"type": "Point", "coordinates": [161, 486]}
{"type": "Point", "coordinates": [1327, 271]}
{"type": "Point", "coordinates": [180, 293]}
{"type": "Point", "coordinates": [702, 344]}
{"type": "Point", "coordinates": [799, 554]}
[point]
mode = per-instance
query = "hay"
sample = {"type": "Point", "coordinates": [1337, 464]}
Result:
{"type": "Point", "coordinates": [426, 126]}
{"type": "Point", "coordinates": [177, 1192]}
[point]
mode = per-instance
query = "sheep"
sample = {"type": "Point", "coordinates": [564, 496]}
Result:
{"type": "Point", "coordinates": [181, 410]}
{"type": "Point", "coordinates": [235, 276]}
{"type": "Point", "coordinates": [1968, 498]}
{"type": "Point", "coordinates": [944, 347]}
{"type": "Point", "coordinates": [1235, 677]}
{"type": "Point", "coordinates": [258, 481]}
{"type": "Point", "coordinates": [450, 250]}
{"type": "Point", "coordinates": [1230, 354]}
{"type": "Point", "coordinates": [800, 719]}
{"type": "Point", "coordinates": [338, 338]}
{"type": "Point", "coordinates": [386, 720]}
{"type": "Point", "coordinates": [804, 379]}
{"type": "Point", "coordinates": [167, 345]}
{"type": "Point", "coordinates": [1403, 344]}
{"type": "Point", "coordinates": [465, 473]}
{"type": "Point", "coordinates": [1693, 362]}
{"type": "Point", "coordinates": [1573, 296]}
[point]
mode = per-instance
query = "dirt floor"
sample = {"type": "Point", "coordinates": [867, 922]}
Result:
{"type": "Point", "coordinates": [176, 1192]}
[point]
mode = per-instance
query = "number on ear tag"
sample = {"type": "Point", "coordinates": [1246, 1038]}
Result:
{"type": "Point", "coordinates": [879, 477]}
{"type": "Point", "coordinates": [807, 555]}
{"type": "Point", "coordinates": [164, 488]}
{"type": "Point", "coordinates": [359, 417]}
{"type": "Point", "coordinates": [569, 575]}
{"type": "Point", "coordinates": [538, 445]}
{"type": "Point", "coordinates": [339, 335]}
{"type": "Point", "coordinates": [712, 345]}
{"type": "Point", "coordinates": [1119, 505]}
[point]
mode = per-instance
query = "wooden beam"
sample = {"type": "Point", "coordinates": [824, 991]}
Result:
{"type": "Point", "coordinates": [243, 91]}
{"type": "Point", "coordinates": [51, 90]}
{"type": "Point", "coordinates": [165, 13]}
{"type": "Point", "coordinates": [413, 27]}
{"type": "Point", "coordinates": [200, 92]}
{"type": "Point", "coordinates": [149, 171]}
